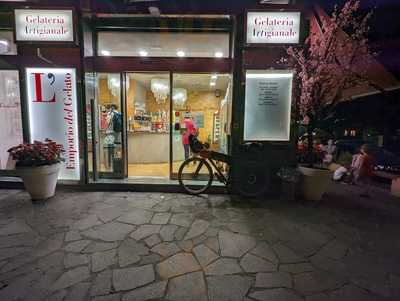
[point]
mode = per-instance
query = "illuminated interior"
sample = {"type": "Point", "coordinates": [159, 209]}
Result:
{"type": "Point", "coordinates": [206, 98]}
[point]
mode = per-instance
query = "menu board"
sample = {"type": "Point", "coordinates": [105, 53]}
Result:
{"type": "Point", "coordinates": [268, 105]}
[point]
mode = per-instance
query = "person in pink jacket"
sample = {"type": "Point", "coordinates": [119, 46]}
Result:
{"type": "Point", "coordinates": [190, 129]}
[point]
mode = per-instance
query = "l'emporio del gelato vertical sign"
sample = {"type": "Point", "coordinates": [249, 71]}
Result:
{"type": "Point", "coordinates": [44, 25]}
{"type": "Point", "coordinates": [273, 27]}
{"type": "Point", "coordinates": [52, 108]}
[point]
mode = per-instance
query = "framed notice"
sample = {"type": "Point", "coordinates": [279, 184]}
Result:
{"type": "Point", "coordinates": [44, 25]}
{"type": "Point", "coordinates": [273, 27]}
{"type": "Point", "coordinates": [52, 110]}
{"type": "Point", "coordinates": [268, 105]}
{"type": "Point", "coordinates": [198, 119]}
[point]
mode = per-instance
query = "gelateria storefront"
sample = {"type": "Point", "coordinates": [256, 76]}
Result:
{"type": "Point", "coordinates": [119, 91]}
{"type": "Point", "coordinates": [149, 81]}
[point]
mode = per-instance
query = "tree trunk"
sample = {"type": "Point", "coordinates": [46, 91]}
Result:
{"type": "Point", "coordinates": [310, 146]}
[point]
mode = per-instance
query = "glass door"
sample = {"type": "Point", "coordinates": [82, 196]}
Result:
{"type": "Point", "coordinates": [148, 124]}
{"type": "Point", "coordinates": [201, 105]}
{"type": "Point", "coordinates": [107, 127]}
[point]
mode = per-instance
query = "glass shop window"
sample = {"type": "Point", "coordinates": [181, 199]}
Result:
{"type": "Point", "coordinates": [7, 45]}
{"type": "Point", "coordinates": [10, 115]}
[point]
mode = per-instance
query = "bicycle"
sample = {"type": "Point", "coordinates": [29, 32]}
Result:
{"type": "Point", "coordinates": [196, 174]}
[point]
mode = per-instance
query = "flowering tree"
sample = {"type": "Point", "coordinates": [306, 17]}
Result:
{"type": "Point", "coordinates": [329, 62]}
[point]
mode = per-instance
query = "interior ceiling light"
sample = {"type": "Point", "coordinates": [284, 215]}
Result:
{"type": "Point", "coordinates": [105, 52]}
{"type": "Point", "coordinates": [160, 89]}
{"type": "Point", "coordinates": [180, 53]}
{"type": "Point", "coordinates": [179, 96]}
{"type": "Point", "coordinates": [143, 53]}
{"type": "Point", "coordinates": [218, 54]}
{"type": "Point", "coordinates": [212, 84]}
{"type": "Point", "coordinates": [214, 76]}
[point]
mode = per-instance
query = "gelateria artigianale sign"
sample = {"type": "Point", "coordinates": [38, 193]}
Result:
{"type": "Point", "coordinates": [273, 27]}
{"type": "Point", "coordinates": [44, 25]}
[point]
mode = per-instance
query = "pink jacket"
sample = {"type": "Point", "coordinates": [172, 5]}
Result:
{"type": "Point", "coordinates": [190, 130]}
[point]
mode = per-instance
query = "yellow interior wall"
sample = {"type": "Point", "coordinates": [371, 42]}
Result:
{"type": "Point", "coordinates": [207, 103]}
{"type": "Point", "coordinates": [130, 104]}
{"type": "Point", "coordinates": [105, 96]}
{"type": "Point", "coordinates": [152, 106]}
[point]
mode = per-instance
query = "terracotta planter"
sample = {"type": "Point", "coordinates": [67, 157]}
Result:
{"type": "Point", "coordinates": [40, 181]}
{"type": "Point", "coordinates": [314, 182]}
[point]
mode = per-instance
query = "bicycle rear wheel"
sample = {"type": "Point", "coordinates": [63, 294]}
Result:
{"type": "Point", "coordinates": [253, 180]}
{"type": "Point", "coordinates": [195, 175]}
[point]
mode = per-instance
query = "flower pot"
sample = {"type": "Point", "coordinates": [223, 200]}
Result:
{"type": "Point", "coordinates": [314, 182]}
{"type": "Point", "coordinates": [40, 181]}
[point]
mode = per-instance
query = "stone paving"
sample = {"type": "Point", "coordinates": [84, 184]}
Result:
{"type": "Point", "coordinates": [104, 246]}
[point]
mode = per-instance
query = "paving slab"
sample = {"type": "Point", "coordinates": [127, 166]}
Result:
{"type": "Point", "coordinates": [73, 260]}
{"type": "Point", "coordinates": [189, 287]}
{"type": "Point", "coordinates": [149, 292]}
{"type": "Point", "coordinates": [161, 218]}
{"type": "Point", "coordinates": [178, 264]}
{"type": "Point", "coordinates": [166, 249]}
{"type": "Point", "coordinates": [103, 260]}
{"type": "Point", "coordinates": [131, 278]}
{"type": "Point", "coordinates": [254, 264]}
{"type": "Point", "coordinates": [223, 266]}
{"type": "Point", "coordinates": [102, 283]}
{"type": "Point", "coordinates": [109, 232]}
{"type": "Point", "coordinates": [167, 232]}
{"type": "Point", "coordinates": [136, 217]}
{"type": "Point", "coordinates": [228, 287]}
{"type": "Point", "coordinates": [145, 231]}
{"type": "Point", "coordinates": [264, 250]}
{"type": "Point", "coordinates": [71, 277]}
{"type": "Point", "coordinates": [197, 228]}
{"type": "Point", "coordinates": [204, 255]}
{"type": "Point", "coordinates": [235, 245]}
{"type": "Point", "coordinates": [276, 294]}
{"type": "Point", "coordinates": [274, 280]}
{"type": "Point", "coordinates": [152, 240]}
{"type": "Point", "coordinates": [130, 252]}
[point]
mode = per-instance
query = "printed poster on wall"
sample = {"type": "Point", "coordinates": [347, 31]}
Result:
{"type": "Point", "coordinates": [52, 107]}
{"type": "Point", "coordinates": [268, 103]}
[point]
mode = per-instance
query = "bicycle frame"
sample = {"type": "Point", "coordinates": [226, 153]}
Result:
{"type": "Point", "coordinates": [206, 155]}
{"type": "Point", "coordinates": [220, 176]}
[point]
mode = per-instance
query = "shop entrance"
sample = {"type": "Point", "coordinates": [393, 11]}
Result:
{"type": "Point", "coordinates": [148, 124]}
{"type": "Point", "coordinates": [140, 122]}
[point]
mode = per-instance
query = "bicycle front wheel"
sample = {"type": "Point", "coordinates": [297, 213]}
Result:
{"type": "Point", "coordinates": [195, 175]}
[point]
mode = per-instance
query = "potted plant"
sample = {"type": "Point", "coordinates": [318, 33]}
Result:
{"type": "Point", "coordinates": [290, 176]}
{"type": "Point", "coordinates": [327, 64]}
{"type": "Point", "coordinates": [38, 164]}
